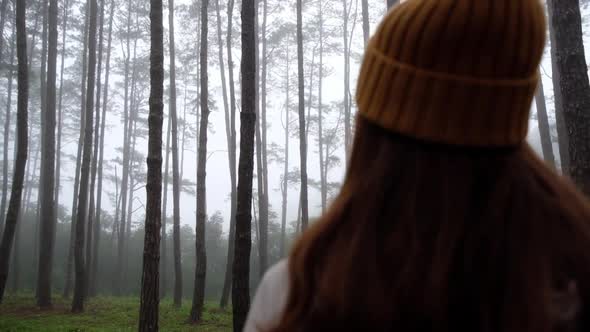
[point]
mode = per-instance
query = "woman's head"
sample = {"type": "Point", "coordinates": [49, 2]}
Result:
{"type": "Point", "coordinates": [459, 72]}
{"type": "Point", "coordinates": [446, 219]}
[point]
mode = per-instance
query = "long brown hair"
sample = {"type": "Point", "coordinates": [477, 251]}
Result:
{"type": "Point", "coordinates": [426, 237]}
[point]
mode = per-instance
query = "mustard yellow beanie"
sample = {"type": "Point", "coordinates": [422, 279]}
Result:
{"type": "Point", "coordinates": [460, 72]}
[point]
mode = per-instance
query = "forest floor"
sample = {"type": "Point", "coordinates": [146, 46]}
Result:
{"type": "Point", "coordinates": [19, 313]}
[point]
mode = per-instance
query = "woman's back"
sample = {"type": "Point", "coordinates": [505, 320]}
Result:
{"type": "Point", "coordinates": [446, 219]}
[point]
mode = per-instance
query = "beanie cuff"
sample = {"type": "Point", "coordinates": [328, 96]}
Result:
{"type": "Point", "coordinates": [441, 107]}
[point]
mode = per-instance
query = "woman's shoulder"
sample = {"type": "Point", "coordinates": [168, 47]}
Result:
{"type": "Point", "coordinates": [270, 299]}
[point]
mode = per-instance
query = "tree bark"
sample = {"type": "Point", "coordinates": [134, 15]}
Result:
{"type": "Point", "coordinates": [347, 115]}
{"type": "Point", "coordinates": [568, 48]}
{"type": "Point", "coordinates": [562, 134]}
{"type": "Point", "coordinates": [302, 131]}
{"type": "Point", "coordinates": [366, 26]}
{"type": "Point", "coordinates": [178, 284]}
{"type": "Point", "coordinates": [182, 142]}
{"type": "Point", "coordinates": [60, 108]}
{"type": "Point", "coordinates": [243, 236]}
{"type": "Point", "coordinates": [71, 249]}
{"type": "Point", "coordinates": [285, 184]}
{"type": "Point", "coordinates": [3, 10]}
{"type": "Point", "coordinates": [6, 134]}
{"type": "Point", "coordinates": [201, 255]}
{"type": "Point", "coordinates": [133, 111]}
{"type": "Point", "coordinates": [80, 264]}
{"type": "Point", "coordinates": [164, 249]}
{"type": "Point", "coordinates": [125, 179]}
{"type": "Point", "coordinates": [323, 180]}
{"type": "Point", "coordinates": [48, 223]}
{"type": "Point", "coordinates": [150, 295]}
{"type": "Point", "coordinates": [93, 226]}
{"type": "Point", "coordinates": [174, 120]}
{"type": "Point", "coordinates": [544, 131]}
{"type": "Point", "coordinates": [232, 161]}
{"type": "Point", "coordinates": [12, 215]}
{"type": "Point", "coordinates": [263, 175]}
{"type": "Point", "coordinates": [95, 255]}
{"type": "Point", "coordinates": [43, 107]}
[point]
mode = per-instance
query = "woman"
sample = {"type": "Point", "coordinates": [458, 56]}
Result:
{"type": "Point", "coordinates": [447, 221]}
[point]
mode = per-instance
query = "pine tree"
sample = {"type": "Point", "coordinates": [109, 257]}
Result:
{"type": "Point", "coordinates": [93, 231]}
{"type": "Point", "coordinates": [6, 133]}
{"type": "Point", "coordinates": [80, 264]}
{"type": "Point", "coordinates": [126, 161]}
{"type": "Point", "coordinates": [302, 122]}
{"type": "Point", "coordinates": [174, 123]}
{"type": "Point", "coordinates": [285, 179]}
{"type": "Point", "coordinates": [71, 249]}
{"type": "Point", "coordinates": [150, 297]}
{"type": "Point", "coordinates": [546, 143]}
{"type": "Point", "coordinates": [366, 27]}
{"type": "Point", "coordinates": [232, 160]}
{"type": "Point", "coordinates": [12, 216]}
{"type": "Point", "coordinates": [243, 240]}
{"type": "Point", "coordinates": [48, 223]}
{"type": "Point", "coordinates": [574, 86]}
{"type": "Point", "coordinates": [97, 228]}
{"type": "Point", "coordinates": [201, 255]}
{"type": "Point", "coordinates": [163, 236]}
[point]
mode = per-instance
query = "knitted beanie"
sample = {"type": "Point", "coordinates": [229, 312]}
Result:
{"type": "Point", "coordinates": [459, 72]}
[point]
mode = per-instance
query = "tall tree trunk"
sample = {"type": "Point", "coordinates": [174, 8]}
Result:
{"type": "Point", "coordinates": [544, 131]}
{"type": "Point", "coordinates": [3, 10]}
{"type": "Point", "coordinates": [323, 180]}
{"type": "Point", "coordinates": [95, 255]}
{"type": "Point", "coordinates": [174, 120]}
{"type": "Point", "coordinates": [262, 244]}
{"type": "Point", "coordinates": [114, 234]}
{"type": "Point", "coordinates": [256, 228]}
{"type": "Point", "coordinates": [232, 160]}
{"type": "Point", "coordinates": [391, 3]}
{"type": "Point", "coordinates": [366, 26]}
{"type": "Point", "coordinates": [30, 180]}
{"type": "Point", "coordinates": [12, 215]}
{"type": "Point", "coordinates": [80, 265]}
{"type": "Point", "coordinates": [243, 235]}
{"type": "Point", "coordinates": [302, 131]}
{"type": "Point", "coordinates": [93, 230]}
{"type": "Point", "coordinates": [66, 7]}
{"type": "Point", "coordinates": [132, 175]}
{"type": "Point", "coordinates": [150, 295]}
{"type": "Point", "coordinates": [48, 223]}
{"type": "Point", "coordinates": [201, 255]}
{"type": "Point", "coordinates": [125, 180]}
{"type": "Point", "coordinates": [182, 141]}
{"type": "Point", "coordinates": [568, 48]}
{"type": "Point", "coordinates": [164, 249]}
{"type": "Point", "coordinates": [562, 134]}
{"type": "Point", "coordinates": [37, 244]}
{"type": "Point", "coordinates": [263, 200]}
{"type": "Point", "coordinates": [71, 249]}
{"type": "Point", "coordinates": [347, 115]}
{"type": "Point", "coordinates": [16, 251]}
{"type": "Point", "coordinates": [43, 107]}
{"type": "Point", "coordinates": [33, 44]}
{"type": "Point", "coordinates": [6, 134]}
{"type": "Point", "coordinates": [285, 184]}
{"type": "Point", "coordinates": [24, 208]}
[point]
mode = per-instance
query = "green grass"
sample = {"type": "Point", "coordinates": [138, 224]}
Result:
{"type": "Point", "coordinates": [19, 313]}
